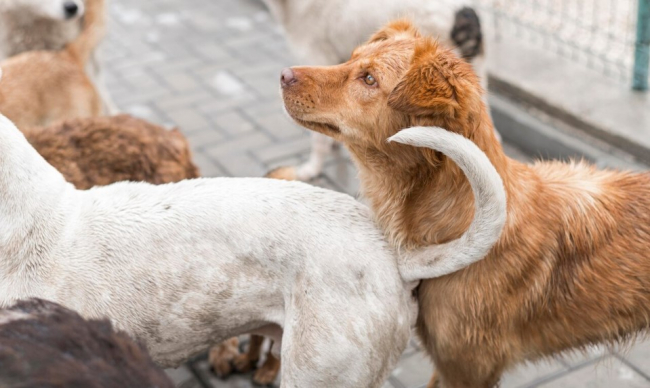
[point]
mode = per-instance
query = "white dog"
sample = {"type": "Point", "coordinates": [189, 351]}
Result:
{"type": "Point", "coordinates": [184, 266]}
{"type": "Point", "coordinates": [324, 33]}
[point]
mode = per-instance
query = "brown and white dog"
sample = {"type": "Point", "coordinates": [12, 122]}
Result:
{"type": "Point", "coordinates": [571, 268]}
{"type": "Point", "coordinates": [39, 88]}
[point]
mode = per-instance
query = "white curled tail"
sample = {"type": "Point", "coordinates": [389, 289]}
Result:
{"type": "Point", "coordinates": [490, 206]}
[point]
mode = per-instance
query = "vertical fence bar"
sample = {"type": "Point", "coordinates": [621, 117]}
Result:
{"type": "Point", "coordinates": [642, 49]}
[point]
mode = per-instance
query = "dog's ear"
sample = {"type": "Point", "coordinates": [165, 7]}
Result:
{"type": "Point", "coordinates": [396, 28]}
{"type": "Point", "coordinates": [429, 86]}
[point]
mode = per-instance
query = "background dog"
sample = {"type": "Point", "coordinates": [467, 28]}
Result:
{"type": "Point", "coordinates": [571, 267]}
{"type": "Point", "coordinates": [326, 32]}
{"type": "Point", "coordinates": [27, 25]}
{"type": "Point", "coordinates": [50, 25]}
{"type": "Point", "coordinates": [103, 150]}
{"type": "Point", "coordinates": [43, 344]}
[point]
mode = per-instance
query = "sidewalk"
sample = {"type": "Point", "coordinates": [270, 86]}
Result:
{"type": "Point", "coordinates": [211, 67]}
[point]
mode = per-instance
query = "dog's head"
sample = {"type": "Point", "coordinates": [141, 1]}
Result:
{"type": "Point", "coordinates": [54, 9]}
{"type": "Point", "coordinates": [396, 80]}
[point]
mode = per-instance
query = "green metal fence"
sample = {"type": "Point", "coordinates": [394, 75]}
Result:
{"type": "Point", "coordinates": [610, 36]}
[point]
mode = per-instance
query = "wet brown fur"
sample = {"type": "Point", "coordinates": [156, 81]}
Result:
{"type": "Point", "coordinates": [103, 150]}
{"type": "Point", "coordinates": [571, 268]}
{"type": "Point", "coordinates": [52, 346]}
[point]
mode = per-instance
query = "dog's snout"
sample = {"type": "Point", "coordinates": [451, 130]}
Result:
{"type": "Point", "coordinates": [287, 77]}
{"type": "Point", "coordinates": [71, 9]}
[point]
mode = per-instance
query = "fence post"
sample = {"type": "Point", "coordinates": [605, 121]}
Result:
{"type": "Point", "coordinates": [642, 49]}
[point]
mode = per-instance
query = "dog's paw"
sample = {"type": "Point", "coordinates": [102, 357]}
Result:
{"type": "Point", "coordinates": [221, 357]}
{"type": "Point", "coordinates": [243, 363]}
{"type": "Point", "coordinates": [284, 173]}
{"type": "Point", "coordinates": [268, 372]}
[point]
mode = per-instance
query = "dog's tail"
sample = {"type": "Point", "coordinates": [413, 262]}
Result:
{"type": "Point", "coordinates": [490, 206]}
{"type": "Point", "coordinates": [92, 32]}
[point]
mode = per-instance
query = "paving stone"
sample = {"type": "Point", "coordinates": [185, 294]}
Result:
{"type": "Point", "coordinates": [240, 144]}
{"type": "Point", "coordinates": [188, 119]}
{"type": "Point", "coordinates": [199, 140]}
{"type": "Point", "coordinates": [179, 376]}
{"type": "Point", "coordinates": [284, 149]}
{"type": "Point", "coordinates": [234, 123]}
{"type": "Point", "coordinates": [207, 166]}
{"type": "Point", "coordinates": [607, 373]}
{"type": "Point", "coordinates": [529, 374]}
{"type": "Point", "coordinates": [279, 125]}
{"type": "Point", "coordinates": [414, 371]}
{"type": "Point", "coordinates": [639, 356]}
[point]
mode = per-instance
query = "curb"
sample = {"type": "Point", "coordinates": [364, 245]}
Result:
{"type": "Point", "coordinates": [540, 135]}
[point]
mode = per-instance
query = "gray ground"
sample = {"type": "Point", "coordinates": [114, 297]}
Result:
{"type": "Point", "coordinates": [211, 67]}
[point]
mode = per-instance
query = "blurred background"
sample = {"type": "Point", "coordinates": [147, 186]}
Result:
{"type": "Point", "coordinates": [567, 80]}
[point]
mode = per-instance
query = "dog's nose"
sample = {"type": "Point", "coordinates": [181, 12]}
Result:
{"type": "Point", "coordinates": [71, 9]}
{"type": "Point", "coordinates": [287, 77]}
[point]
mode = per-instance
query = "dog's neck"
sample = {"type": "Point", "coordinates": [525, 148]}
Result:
{"type": "Point", "coordinates": [31, 197]}
{"type": "Point", "coordinates": [420, 197]}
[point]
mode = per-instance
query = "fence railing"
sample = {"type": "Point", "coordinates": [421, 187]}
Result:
{"type": "Point", "coordinates": [610, 36]}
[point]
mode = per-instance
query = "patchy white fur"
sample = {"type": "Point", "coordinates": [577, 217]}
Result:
{"type": "Point", "coordinates": [184, 266]}
{"type": "Point", "coordinates": [324, 33]}
{"type": "Point", "coordinates": [490, 206]}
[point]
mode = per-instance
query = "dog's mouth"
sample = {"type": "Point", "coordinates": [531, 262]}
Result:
{"type": "Point", "coordinates": [324, 128]}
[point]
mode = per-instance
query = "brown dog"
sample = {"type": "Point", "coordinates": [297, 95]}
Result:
{"type": "Point", "coordinates": [103, 150]}
{"type": "Point", "coordinates": [43, 87]}
{"type": "Point", "coordinates": [225, 357]}
{"type": "Point", "coordinates": [571, 268]}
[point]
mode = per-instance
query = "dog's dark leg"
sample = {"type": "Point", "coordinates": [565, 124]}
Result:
{"type": "Point", "coordinates": [247, 361]}
{"type": "Point", "coordinates": [269, 371]}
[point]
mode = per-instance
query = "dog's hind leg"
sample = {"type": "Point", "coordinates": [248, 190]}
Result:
{"type": "Point", "coordinates": [247, 361]}
{"type": "Point", "coordinates": [268, 372]}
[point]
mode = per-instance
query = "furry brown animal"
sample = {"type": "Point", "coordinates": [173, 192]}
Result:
{"type": "Point", "coordinates": [571, 268]}
{"type": "Point", "coordinates": [103, 150]}
{"type": "Point", "coordinates": [225, 357]}
{"type": "Point", "coordinates": [43, 344]}
{"type": "Point", "coordinates": [43, 87]}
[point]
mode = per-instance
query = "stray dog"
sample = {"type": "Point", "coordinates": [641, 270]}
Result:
{"type": "Point", "coordinates": [102, 150]}
{"type": "Point", "coordinates": [28, 25]}
{"type": "Point", "coordinates": [571, 268]}
{"type": "Point", "coordinates": [185, 265]}
{"type": "Point", "coordinates": [324, 33]}
{"type": "Point", "coordinates": [39, 88]}
{"type": "Point", "coordinates": [43, 344]}
{"type": "Point", "coordinates": [31, 25]}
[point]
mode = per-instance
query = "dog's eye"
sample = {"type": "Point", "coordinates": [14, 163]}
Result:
{"type": "Point", "coordinates": [369, 80]}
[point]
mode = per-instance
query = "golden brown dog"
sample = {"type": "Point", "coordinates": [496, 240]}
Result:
{"type": "Point", "coordinates": [103, 150]}
{"type": "Point", "coordinates": [43, 87]}
{"type": "Point", "coordinates": [571, 268]}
